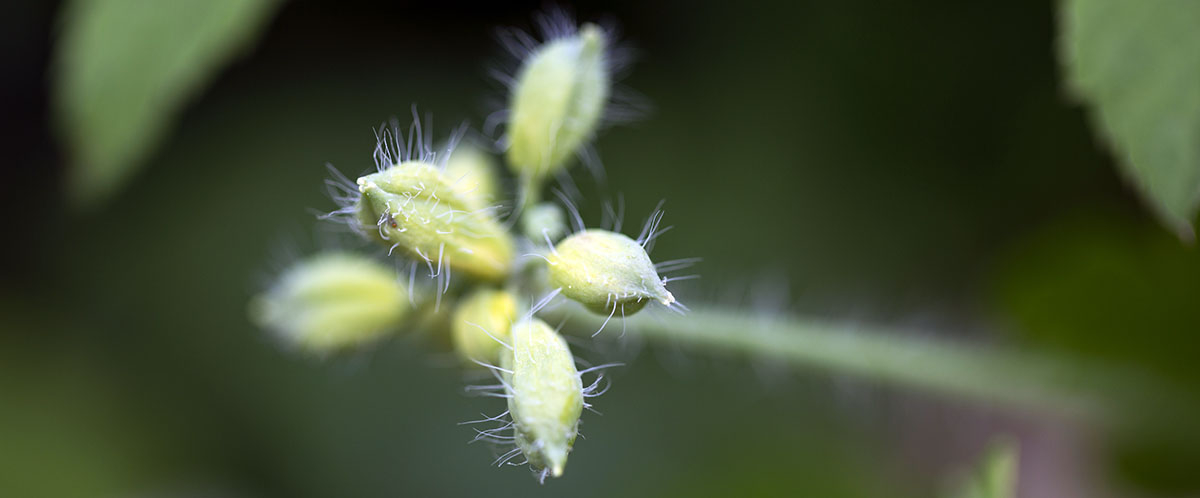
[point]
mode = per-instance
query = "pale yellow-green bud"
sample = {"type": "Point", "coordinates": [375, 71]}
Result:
{"type": "Point", "coordinates": [545, 395]}
{"type": "Point", "coordinates": [480, 326]}
{"type": "Point", "coordinates": [332, 301]}
{"type": "Point", "coordinates": [607, 272]}
{"type": "Point", "coordinates": [414, 208]}
{"type": "Point", "coordinates": [472, 173]}
{"type": "Point", "coordinates": [544, 222]}
{"type": "Point", "coordinates": [557, 102]}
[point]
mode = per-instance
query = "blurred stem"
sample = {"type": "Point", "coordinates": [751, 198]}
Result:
{"type": "Point", "coordinates": [991, 375]}
{"type": "Point", "coordinates": [530, 192]}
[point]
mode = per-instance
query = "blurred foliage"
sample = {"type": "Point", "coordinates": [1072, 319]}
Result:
{"type": "Point", "coordinates": [1104, 287]}
{"type": "Point", "coordinates": [995, 476]}
{"type": "Point", "coordinates": [61, 413]}
{"type": "Point", "coordinates": [1138, 65]}
{"type": "Point", "coordinates": [126, 67]}
{"type": "Point", "coordinates": [1107, 288]}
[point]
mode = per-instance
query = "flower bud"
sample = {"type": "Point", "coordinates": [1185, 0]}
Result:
{"type": "Point", "coordinates": [332, 301]}
{"type": "Point", "coordinates": [416, 209]}
{"type": "Point", "coordinates": [544, 222]}
{"type": "Point", "coordinates": [557, 102]}
{"type": "Point", "coordinates": [606, 272]}
{"type": "Point", "coordinates": [472, 173]}
{"type": "Point", "coordinates": [546, 394]}
{"type": "Point", "coordinates": [481, 323]}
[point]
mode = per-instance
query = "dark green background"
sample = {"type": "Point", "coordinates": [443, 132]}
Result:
{"type": "Point", "coordinates": [875, 162]}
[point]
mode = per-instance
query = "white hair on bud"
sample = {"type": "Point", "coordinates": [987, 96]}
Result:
{"type": "Point", "coordinates": [576, 219]}
{"type": "Point", "coordinates": [393, 146]}
{"type": "Point", "coordinates": [612, 218]}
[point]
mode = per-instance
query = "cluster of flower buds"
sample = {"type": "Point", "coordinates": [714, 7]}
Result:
{"type": "Point", "coordinates": [442, 214]}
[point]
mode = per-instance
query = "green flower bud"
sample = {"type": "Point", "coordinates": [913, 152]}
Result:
{"type": "Point", "coordinates": [414, 207]}
{"type": "Point", "coordinates": [472, 173]}
{"type": "Point", "coordinates": [545, 394]}
{"type": "Point", "coordinates": [481, 323]}
{"type": "Point", "coordinates": [544, 222]}
{"type": "Point", "coordinates": [331, 302]}
{"type": "Point", "coordinates": [606, 272]}
{"type": "Point", "coordinates": [557, 102]}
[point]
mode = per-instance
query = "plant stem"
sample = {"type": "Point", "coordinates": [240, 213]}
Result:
{"type": "Point", "coordinates": [991, 375]}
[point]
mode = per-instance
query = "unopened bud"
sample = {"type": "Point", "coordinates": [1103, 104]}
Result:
{"type": "Point", "coordinates": [481, 324]}
{"type": "Point", "coordinates": [546, 396]}
{"type": "Point", "coordinates": [331, 302]}
{"type": "Point", "coordinates": [558, 101]}
{"type": "Point", "coordinates": [607, 272]}
{"type": "Point", "coordinates": [415, 209]}
{"type": "Point", "coordinates": [472, 173]}
{"type": "Point", "coordinates": [544, 222]}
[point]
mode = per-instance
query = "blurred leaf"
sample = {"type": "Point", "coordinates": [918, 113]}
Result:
{"type": "Point", "coordinates": [1108, 289]}
{"type": "Point", "coordinates": [1138, 65]}
{"type": "Point", "coordinates": [64, 413]}
{"type": "Point", "coordinates": [995, 476]}
{"type": "Point", "coordinates": [1112, 290]}
{"type": "Point", "coordinates": [126, 67]}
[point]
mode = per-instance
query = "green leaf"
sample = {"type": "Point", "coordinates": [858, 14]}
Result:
{"type": "Point", "coordinates": [1105, 287]}
{"type": "Point", "coordinates": [996, 475]}
{"type": "Point", "coordinates": [1137, 64]}
{"type": "Point", "coordinates": [124, 69]}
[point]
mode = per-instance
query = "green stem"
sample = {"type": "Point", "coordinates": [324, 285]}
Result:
{"type": "Point", "coordinates": [992, 375]}
{"type": "Point", "coordinates": [530, 189]}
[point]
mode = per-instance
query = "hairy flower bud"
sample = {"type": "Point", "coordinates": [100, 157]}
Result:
{"type": "Point", "coordinates": [472, 173]}
{"type": "Point", "coordinates": [546, 394]}
{"type": "Point", "coordinates": [607, 272]}
{"type": "Point", "coordinates": [481, 323]}
{"type": "Point", "coordinates": [332, 301]}
{"type": "Point", "coordinates": [558, 101]}
{"type": "Point", "coordinates": [416, 209]}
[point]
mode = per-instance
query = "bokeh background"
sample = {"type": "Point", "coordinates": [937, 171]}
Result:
{"type": "Point", "coordinates": [916, 165]}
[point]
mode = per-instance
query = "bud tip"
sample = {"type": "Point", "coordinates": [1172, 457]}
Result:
{"type": "Point", "coordinates": [668, 299]}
